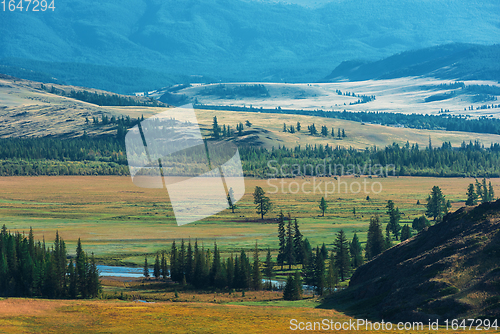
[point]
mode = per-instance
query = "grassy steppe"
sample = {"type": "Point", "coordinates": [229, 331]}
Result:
{"type": "Point", "coordinates": [120, 222]}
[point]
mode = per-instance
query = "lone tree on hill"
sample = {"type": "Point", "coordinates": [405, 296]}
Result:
{"type": "Point", "coordinates": [436, 204]}
{"type": "Point", "coordinates": [323, 206]}
{"type": "Point", "coordinates": [263, 202]}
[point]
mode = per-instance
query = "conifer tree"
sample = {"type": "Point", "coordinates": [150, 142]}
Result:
{"type": "Point", "coordinates": [436, 205]}
{"type": "Point", "coordinates": [164, 269]}
{"type": "Point", "coordinates": [298, 243]}
{"type": "Point", "coordinates": [282, 240]}
{"type": "Point", "coordinates": [298, 126]}
{"type": "Point", "coordinates": [256, 274]}
{"type": "Point", "coordinates": [319, 272]}
{"type": "Point", "coordinates": [269, 265]}
{"type": "Point", "coordinates": [375, 239]}
{"type": "Point", "coordinates": [290, 248]}
{"type": "Point", "coordinates": [356, 250]}
{"type": "Point", "coordinates": [332, 275]}
{"type": "Point", "coordinates": [157, 267]}
{"type": "Point", "coordinates": [405, 232]}
{"type": "Point", "coordinates": [394, 217]}
{"type": "Point", "coordinates": [471, 196]}
{"type": "Point", "coordinates": [145, 270]}
{"type": "Point", "coordinates": [263, 202]}
{"type": "Point", "coordinates": [323, 206]}
{"type": "Point", "coordinates": [342, 258]}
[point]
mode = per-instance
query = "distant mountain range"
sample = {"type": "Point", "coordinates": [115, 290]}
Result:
{"type": "Point", "coordinates": [451, 61]}
{"type": "Point", "coordinates": [129, 45]}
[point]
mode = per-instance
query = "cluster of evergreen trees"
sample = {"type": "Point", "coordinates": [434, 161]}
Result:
{"type": "Point", "coordinates": [30, 269]}
{"type": "Point", "coordinates": [204, 268]}
{"type": "Point", "coordinates": [416, 121]}
{"type": "Point", "coordinates": [468, 160]}
{"type": "Point", "coordinates": [104, 99]}
{"type": "Point", "coordinates": [481, 191]}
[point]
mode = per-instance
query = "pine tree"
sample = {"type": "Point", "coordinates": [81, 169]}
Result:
{"type": "Point", "coordinates": [387, 241]}
{"type": "Point", "coordinates": [256, 274]}
{"type": "Point", "coordinates": [164, 269]}
{"type": "Point", "coordinates": [356, 252]}
{"type": "Point", "coordinates": [230, 200]}
{"type": "Point", "coordinates": [491, 192]}
{"type": "Point", "coordinates": [375, 239]}
{"type": "Point", "coordinates": [269, 265]}
{"type": "Point", "coordinates": [290, 247]}
{"type": "Point", "coordinates": [284, 128]}
{"type": "Point", "coordinates": [319, 272]}
{"type": "Point", "coordinates": [394, 217]}
{"type": "Point", "coordinates": [282, 240]}
{"type": "Point", "coordinates": [298, 126]}
{"type": "Point", "coordinates": [145, 270]}
{"type": "Point", "coordinates": [342, 259]}
{"type": "Point", "coordinates": [298, 243]}
{"type": "Point", "coordinates": [471, 196]}
{"type": "Point", "coordinates": [436, 204]}
{"type": "Point", "coordinates": [264, 205]}
{"type": "Point", "coordinates": [332, 275]}
{"type": "Point", "coordinates": [157, 267]}
{"type": "Point", "coordinates": [81, 270]}
{"type": "Point", "coordinates": [323, 206]}
{"type": "Point", "coordinates": [405, 232]}
{"type": "Point", "coordinates": [215, 128]}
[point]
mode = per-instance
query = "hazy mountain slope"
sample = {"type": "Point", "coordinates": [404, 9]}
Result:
{"type": "Point", "coordinates": [236, 39]}
{"type": "Point", "coordinates": [452, 61]}
{"type": "Point", "coordinates": [450, 270]}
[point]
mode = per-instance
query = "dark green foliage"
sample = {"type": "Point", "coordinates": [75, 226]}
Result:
{"type": "Point", "coordinates": [405, 232]}
{"type": "Point", "coordinates": [145, 268]}
{"type": "Point", "coordinates": [436, 204]}
{"type": "Point", "coordinates": [420, 223]}
{"type": "Point", "coordinates": [290, 248]}
{"type": "Point", "coordinates": [375, 241]}
{"type": "Point", "coordinates": [298, 243]}
{"type": "Point", "coordinates": [293, 287]}
{"type": "Point", "coordinates": [215, 128]}
{"type": "Point", "coordinates": [323, 206]}
{"type": "Point", "coordinates": [332, 275]}
{"type": "Point", "coordinates": [282, 240]}
{"type": "Point", "coordinates": [342, 258]}
{"type": "Point", "coordinates": [157, 267]}
{"type": "Point", "coordinates": [319, 272]}
{"type": "Point", "coordinates": [356, 252]}
{"type": "Point", "coordinates": [394, 217]}
{"type": "Point", "coordinates": [256, 274]}
{"type": "Point", "coordinates": [471, 196]}
{"type": "Point", "coordinates": [29, 269]}
{"type": "Point", "coordinates": [263, 202]}
{"type": "Point", "coordinates": [269, 265]}
{"type": "Point", "coordinates": [230, 202]}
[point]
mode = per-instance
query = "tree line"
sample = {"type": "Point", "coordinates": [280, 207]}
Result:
{"type": "Point", "coordinates": [463, 123]}
{"type": "Point", "coordinates": [29, 268]}
{"type": "Point", "coordinates": [107, 156]}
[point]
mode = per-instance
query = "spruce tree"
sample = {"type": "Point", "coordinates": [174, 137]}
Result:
{"type": "Point", "coordinates": [405, 232]}
{"type": "Point", "coordinates": [436, 204]}
{"type": "Point", "coordinates": [269, 265]}
{"type": "Point", "coordinates": [145, 269]}
{"type": "Point", "coordinates": [157, 267]}
{"type": "Point", "coordinates": [491, 192]}
{"type": "Point", "coordinates": [342, 258]}
{"type": "Point", "coordinates": [282, 240]}
{"type": "Point", "coordinates": [319, 272]}
{"type": "Point", "coordinates": [471, 196]}
{"type": "Point", "coordinates": [375, 239]}
{"type": "Point", "coordinates": [298, 243]}
{"type": "Point", "coordinates": [323, 206]}
{"type": "Point", "coordinates": [263, 202]}
{"type": "Point", "coordinates": [290, 248]}
{"type": "Point", "coordinates": [356, 252]}
{"type": "Point", "coordinates": [164, 269]}
{"type": "Point", "coordinates": [256, 274]}
{"type": "Point", "coordinates": [394, 217]}
{"type": "Point", "coordinates": [332, 275]}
